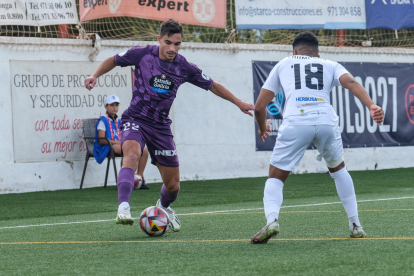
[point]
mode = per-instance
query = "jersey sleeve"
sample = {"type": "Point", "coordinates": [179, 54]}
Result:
{"type": "Point", "coordinates": [101, 126]}
{"type": "Point", "coordinates": [197, 77]}
{"type": "Point", "coordinates": [338, 72]}
{"type": "Point", "coordinates": [130, 57]}
{"type": "Point", "coordinates": [272, 82]}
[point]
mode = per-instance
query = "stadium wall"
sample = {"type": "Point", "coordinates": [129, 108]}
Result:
{"type": "Point", "coordinates": [214, 139]}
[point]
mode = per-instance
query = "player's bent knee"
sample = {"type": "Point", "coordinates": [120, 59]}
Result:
{"type": "Point", "coordinates": [130, 160]}
{"type": "Point", "coordinates": [334, 163]}
{"type": "Point", "coordinates": [172, 187]}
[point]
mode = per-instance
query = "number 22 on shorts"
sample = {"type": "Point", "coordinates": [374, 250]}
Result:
{"type": "Point", "coordinates": [133, 126]}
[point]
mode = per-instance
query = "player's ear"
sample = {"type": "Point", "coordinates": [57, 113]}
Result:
{"type": "Point", "coordinates": [295, 52]}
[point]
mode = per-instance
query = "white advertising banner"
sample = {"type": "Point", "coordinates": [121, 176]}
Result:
{"type": "Point", "coordinates": [299, 14]}
{"type": "Point", "coordinates": [38, 12]}
{"type": "Point", "coordinates": [49, 101]}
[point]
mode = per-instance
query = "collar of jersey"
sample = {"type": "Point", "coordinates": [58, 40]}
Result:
{"type": "Point", "coordinates": [112, 119]}
{"type": "Point", "coordinates": [156, 51]}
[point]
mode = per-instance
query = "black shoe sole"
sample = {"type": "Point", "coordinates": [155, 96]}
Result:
{"type": "Point", "coordinates": [144, 187]}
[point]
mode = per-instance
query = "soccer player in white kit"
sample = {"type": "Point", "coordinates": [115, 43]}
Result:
{"type": "Point", "coordinates": [308, 117]}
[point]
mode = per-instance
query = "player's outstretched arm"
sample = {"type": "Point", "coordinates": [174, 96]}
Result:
{"type": "Point", "coordinates": [265, 97]}
{"type": "Point", "coordinates": [224, 93]}
{"type": "Point", "coordinates": [106, 66]}
{"type": "Point", "coordinates": [348, 81]}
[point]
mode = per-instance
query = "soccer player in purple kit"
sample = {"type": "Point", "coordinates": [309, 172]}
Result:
{"type": "Point", "coordinates": [159, 71]}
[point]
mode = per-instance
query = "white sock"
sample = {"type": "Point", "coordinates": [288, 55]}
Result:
{"type": "Point", "coordinates": [124, 205]}
{"type": "Point", "coordinates": [346, 192]}
{"type": "Point", "coordinates": [273, 198]}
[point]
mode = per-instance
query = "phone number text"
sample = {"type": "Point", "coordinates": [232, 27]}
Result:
{"type": "Point", "coordinates": [344, 11]}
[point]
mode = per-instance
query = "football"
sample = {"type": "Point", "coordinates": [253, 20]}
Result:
{"type": "Point", "coordinates": [154, 221]}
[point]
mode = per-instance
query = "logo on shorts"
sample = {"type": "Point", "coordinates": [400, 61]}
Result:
{"type": "Point", "coordinates": [275, 107]}
{"type": "Point", "coordinates": [166, 152]}
{"type": "Point", "coordinates": [204, 10]}
{"type": "Point", "coordinates": [161, 83]}
{"type": "Point", "coordinates": [409, 103]}
{"type": "Point", "coordinates": [316, 113]}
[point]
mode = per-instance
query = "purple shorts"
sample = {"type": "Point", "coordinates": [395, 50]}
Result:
{"type": "Point", "coordinates": [160, 144]}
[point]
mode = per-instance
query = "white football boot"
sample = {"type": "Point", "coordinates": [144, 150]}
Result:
{"type": "Point", "coordinates": [124, 215]}
{"type": "Point", "coordinates": [358, 232]}
{"type": "Point", "coordinates": [269, 231]}
{"type": "Point", "coordinates": [174, 221]}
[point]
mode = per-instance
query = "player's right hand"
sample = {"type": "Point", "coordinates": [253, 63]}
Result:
{"type": "Point", "coordinates": [377, 114]}
{"type": "Point", "coordinates": [246, 107]}
{"type": "Point", "coordinates": [90, 82]}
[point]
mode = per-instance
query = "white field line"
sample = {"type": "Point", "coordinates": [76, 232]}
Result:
{"type": "Point", "coordinates": [294, 206]}
{"type": "Point", "coordinates": [212, 212]}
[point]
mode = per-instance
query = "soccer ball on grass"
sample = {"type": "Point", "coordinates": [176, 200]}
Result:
{"type": "Point", "coordinates": [154, 221]}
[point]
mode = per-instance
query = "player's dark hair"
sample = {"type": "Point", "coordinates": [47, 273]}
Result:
{"type": "Point", "coordinates": [307, 39]}
{"type": "Point", "coordinates": [171, 27]}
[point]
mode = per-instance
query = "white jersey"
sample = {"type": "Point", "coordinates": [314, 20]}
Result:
{"type": "Point", "coordinates": [306, 82]}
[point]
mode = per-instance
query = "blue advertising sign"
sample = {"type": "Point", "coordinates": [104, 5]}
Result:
{"type": "Point", "coordinates": [390, 14]}
{"type": "Point", "coordinates": [390, 86]}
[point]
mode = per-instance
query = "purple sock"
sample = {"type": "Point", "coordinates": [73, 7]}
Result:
{"type": "Point", "coordinates": [125, 184]}
{"type": "Point", "coordinates": [166, 197]}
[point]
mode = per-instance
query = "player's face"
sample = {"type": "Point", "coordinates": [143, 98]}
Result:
{"type": "Point", "coordinates": [169, 46]}
{"type": "Point", "coordinates": [112, 108]}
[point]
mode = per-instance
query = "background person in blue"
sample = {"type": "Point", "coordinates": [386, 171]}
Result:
{"type": "Point", "coordinates": [108, 126]}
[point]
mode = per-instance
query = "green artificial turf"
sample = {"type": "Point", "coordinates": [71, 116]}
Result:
{"type": "Point", "coordinates": [73, 232]}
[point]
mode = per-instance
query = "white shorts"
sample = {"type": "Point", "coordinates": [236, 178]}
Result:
{"type": "Point", "coordinates": [293, 140]}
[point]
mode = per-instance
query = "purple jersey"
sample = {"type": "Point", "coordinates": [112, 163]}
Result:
{"type": "Point", "coordinates": [156, 83]}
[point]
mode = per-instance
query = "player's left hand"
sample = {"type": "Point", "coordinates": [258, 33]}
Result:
{"type": "Point", "coordinates": [245, 107]}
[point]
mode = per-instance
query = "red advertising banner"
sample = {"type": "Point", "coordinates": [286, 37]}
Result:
{"type": "Point", "coordinates": [211, 13]}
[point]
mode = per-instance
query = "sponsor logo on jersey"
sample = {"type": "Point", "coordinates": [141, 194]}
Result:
{"type": "Point", "coordinates": [275, 106]}
{"type": "Point", "coordinates": [166, 152]}
{"type": "Point", "coordinates": [204, 76]}
{"type": "Point", "coordinates": [309, 99]}
{"type": "Point", "coordinates": [161, 83]}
